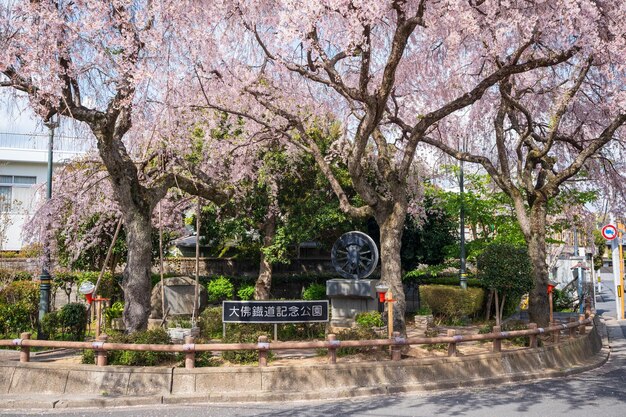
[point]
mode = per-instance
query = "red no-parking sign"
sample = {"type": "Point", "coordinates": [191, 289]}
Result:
{"type": "Point", "coordinates": [609, 232]}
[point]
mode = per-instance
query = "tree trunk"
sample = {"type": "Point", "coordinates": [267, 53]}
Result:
{"type": "Point", "coordinates": [137, 282]}
{"type": "Point", "coordinates": [538, 308]}
{"type": "Point", "coordinates": [488, 308]}
{"type": "Point", "coordinates": [391, 227]}
{"type": "Point", "coordinates": [264, 281]}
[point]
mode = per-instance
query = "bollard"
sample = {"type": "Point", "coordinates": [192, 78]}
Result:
{"type": "Point", "coordinates": [332, 349]}
{"type": "Point", "coordinates": [101, 353]}
{"type": "Point", "coordinates": [497, 343]}
{"type": "Point", "coordinates": [556, 334]}
{"type": "Point", "coordinates": [582, 329]}
{"type": "Point", "coordinates": [190, 352]}
{"type": "Point", "coordinates": [396, 353]}
{"type": "Point", "coordinates": [25, 350]}
{"type": "Point", "coordinates": [451, 345]}
{"type": "Point", "coordinates": [533, 337]}
{"type": "Point", "coordinates": [572, 330]}
{"type": "Point", "coordinates": [263, 346]}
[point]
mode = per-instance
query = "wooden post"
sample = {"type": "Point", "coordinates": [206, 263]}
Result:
{"type": "Point", "coordinates": [101, 354]}
{"type": "Point", "coordinates": [98, 314]}
{"type": "Point", "coordinates": [497, 343]}
{"type": "Point", "coordinates": [190, 352]}
{"type": "Point", "coordinates": [556, 334]}
{"type": "Point", "coordinates": [263, 347]}
{"type": "Point", "coordinates": [572, 330]}
{"type": "Point", "coordinates": [396, 353]}
{"type": "Point", "coordinates": [451, 345]}
{"type": "Point", "coordinates": [25, 350]}
{"type": "Point", "coordinates": [533, 337]}
{"type": "Point", "coordinates": [332, 349]}
{"type": "Point", "coordinates": [582, 329]}
{"type": "Point", "coordinates": [551, 307]}
{"type": "Point", "coordinates": [389, 298]}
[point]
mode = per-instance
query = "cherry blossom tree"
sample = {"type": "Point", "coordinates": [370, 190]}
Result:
{"type": "Point", "coordinates": [389, 71]}
{"type": "Point", "coordinates": [541, 131]}
{"type": "Point", "coordinates": [96, 62]}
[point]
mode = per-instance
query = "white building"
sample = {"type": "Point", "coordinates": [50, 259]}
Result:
{"type": "Point", "coordinates": [23, 173]}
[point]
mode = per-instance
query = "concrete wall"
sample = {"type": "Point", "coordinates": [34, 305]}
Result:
{"type": "Point", "coordinates": [321, 381]}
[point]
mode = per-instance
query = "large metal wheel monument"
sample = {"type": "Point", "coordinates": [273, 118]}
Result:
{"type": "Point", "coordinates": [354, 255]}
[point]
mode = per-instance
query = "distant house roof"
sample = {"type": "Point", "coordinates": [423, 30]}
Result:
{"type": "Point", "coordinates": [187, 242]}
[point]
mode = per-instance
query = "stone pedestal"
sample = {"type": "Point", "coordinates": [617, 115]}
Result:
{"type": "Point", "coordinates": [349, 297]}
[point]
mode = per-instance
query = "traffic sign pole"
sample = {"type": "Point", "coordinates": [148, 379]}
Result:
{"type": "Point", "coordinates": [620, 228]}
{"type": "Point", "coordinates": [617, 277]}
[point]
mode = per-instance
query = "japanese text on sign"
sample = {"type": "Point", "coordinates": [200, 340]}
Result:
{"type": "Point", "coordinates": [274, 311]}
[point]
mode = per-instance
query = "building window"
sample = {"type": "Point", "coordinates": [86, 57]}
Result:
{"type": "Point", "coordinates": [16, 192]}
{"type": "Point", "coordinates": [5, 198]}
{"type": "Point", "coordinates": [19, 180]}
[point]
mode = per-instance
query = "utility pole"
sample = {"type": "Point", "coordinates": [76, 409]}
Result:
{"type": "Point", "coordinates": [579, 273]}
{"type": "Point", "coordinates": [44, 278]}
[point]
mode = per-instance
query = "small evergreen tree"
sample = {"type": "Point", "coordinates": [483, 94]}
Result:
{"type": "Point", "coordinates": [505, 269]}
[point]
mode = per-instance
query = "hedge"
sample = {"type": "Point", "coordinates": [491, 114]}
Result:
{"type": "Point", "coordinates": [452, 302]}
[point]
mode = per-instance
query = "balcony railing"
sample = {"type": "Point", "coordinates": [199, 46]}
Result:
{"type": "Point", "coordinates": [40, 142]}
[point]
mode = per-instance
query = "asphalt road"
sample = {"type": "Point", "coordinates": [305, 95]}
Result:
{"type": "Point", "coordinates": [597, 393]}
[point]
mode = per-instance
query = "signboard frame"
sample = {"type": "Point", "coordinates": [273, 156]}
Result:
{"type": "Point", "coordinates": [227, 305]}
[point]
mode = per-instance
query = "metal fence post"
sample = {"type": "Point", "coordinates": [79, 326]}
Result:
{"type": "Point", "coordinates": [451, 345]}
{"type": "Point", "coordinates": [533, 337]}
{"type": "Point", "coordinates": [25, 350]}
{"type": "Point", "coordinates": [497, 343]}
{"type": "Point", "coordinates": [332, 349]}
{"type": "Point", "coordinates": [101, 353]}
{"type": "Point", "coordinates": [263, 346]}
{"type": "Point", "coordinates": [190, 352]}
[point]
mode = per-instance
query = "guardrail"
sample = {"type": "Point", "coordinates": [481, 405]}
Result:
{"type": "Point", "coordinates": [101, 346]}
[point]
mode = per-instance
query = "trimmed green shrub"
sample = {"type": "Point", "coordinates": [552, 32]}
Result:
{"type": "Point", "coordinates": [15, 318]}
{"type": "Point", "coordinates": [369, 319]}
{"type": "Point", "coordinates": [301, 331]}
{"type": "Point", "coordinates": [220, 289]}
{"type": "Point", "coordinates": [51, 325]}
{"type": "Point", "coordinates": [506, 269]}
{"type": "Point", "coordinates": [19, 307]}
{"type": "Point", "coordinates": [73, 320]}
{"type": "Point", "coordinates": [210, 322]}
{"type": "Point", "coordinates": [452, 303]}
{"type": "Point", "coordinates": [358, 333]}
{"type": "Point", "coordinates": [245, 333]}
{"type": "Point", "coordinates": [135, 358]}
{"type": "Point", "coordinates": [314, 292]}
{"type": "Point", "coordinates": [246, 293]}
{"type": "Point", "coordinates": [441, 280]}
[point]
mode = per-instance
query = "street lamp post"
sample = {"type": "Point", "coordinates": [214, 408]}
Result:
{"type": "Point", "coordinates": [44, 278]}
{"type": "Point", "coordinates": [462, 271]}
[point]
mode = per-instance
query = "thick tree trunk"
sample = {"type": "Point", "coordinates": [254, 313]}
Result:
{"type": "Point", "coordinates": [538, 308]}
{"type": "Point", "coordinates": [263, 284]}
{"type": "Point", "coordinates": [391, 227]}
{"type": "Point", "coordinates": [136, 282]}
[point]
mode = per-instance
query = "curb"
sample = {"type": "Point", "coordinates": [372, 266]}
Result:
{"type": "Point", "coordinates": [55, 402]}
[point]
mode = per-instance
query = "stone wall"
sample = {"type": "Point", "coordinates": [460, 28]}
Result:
{"type": "Point", "coordinates": [234, 267]}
